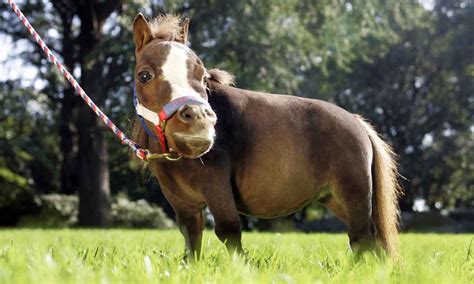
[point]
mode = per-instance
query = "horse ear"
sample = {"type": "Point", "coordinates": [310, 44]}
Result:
{"type": "Point", "coordinates": [141, 32]}
{"type": "Point", "coordinates": [184, 31]}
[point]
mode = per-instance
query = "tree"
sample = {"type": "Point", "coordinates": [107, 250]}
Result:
{"type": "Point", "coordinates": [26, 151]}
{"type": "Point", "coordinates": [420, 96]}
{"type": "Point", "coordinates": [79, 45]}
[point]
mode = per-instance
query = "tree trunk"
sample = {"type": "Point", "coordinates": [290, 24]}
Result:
{"type": "Point", "coordinates": [67, 133]}
{"type": "Point", "coordinates": [94, 180]}
{"type": "Point", "coordinates": [69, 180]}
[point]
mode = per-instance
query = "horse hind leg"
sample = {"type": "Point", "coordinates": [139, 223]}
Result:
{"type": "Point", "coordinates": [351, 202]}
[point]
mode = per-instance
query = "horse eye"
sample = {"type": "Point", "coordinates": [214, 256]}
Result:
{"type": "Point", "coordinates": [144, 76]}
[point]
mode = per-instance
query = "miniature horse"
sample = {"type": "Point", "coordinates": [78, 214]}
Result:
{"type": "Point", "coordinates": [254, 153]}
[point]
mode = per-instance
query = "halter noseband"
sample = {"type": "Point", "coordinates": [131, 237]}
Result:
{"type": "Point", "coordinates": [159, 119]}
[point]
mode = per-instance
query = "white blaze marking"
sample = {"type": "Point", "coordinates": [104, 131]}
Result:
{"type": "Point", "coordinates": [175, 71]}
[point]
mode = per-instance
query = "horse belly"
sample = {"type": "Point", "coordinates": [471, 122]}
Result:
{"type": "Point", "coordinates": [268, 194]}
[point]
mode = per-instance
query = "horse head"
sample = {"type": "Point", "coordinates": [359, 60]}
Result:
{"type": "Point", "coordinates": [170, 87]}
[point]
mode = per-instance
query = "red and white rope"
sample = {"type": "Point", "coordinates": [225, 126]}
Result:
{"type": "Point", "coordinates": [141, 153]}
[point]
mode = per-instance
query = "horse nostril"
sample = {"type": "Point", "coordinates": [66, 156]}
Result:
{"type": "Point", "coordinates": [187, 113]}
{"type": "Point", "coordinates": [191, 113]}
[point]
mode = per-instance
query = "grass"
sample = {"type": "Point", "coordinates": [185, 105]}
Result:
{"type": "Point", "coordinates": [140, 256]}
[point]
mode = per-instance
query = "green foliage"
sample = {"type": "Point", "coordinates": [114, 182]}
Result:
{"type": "Point", "coordinates": [27, 158]}
{"type": "Point", "coordinates": [27, 150]}
{"type": "Point", "coordinates": [16, 197]}
{"type": "Point", "coordinates": [13, 186]}
{"type": "Point", "coordinates": [278, 45]}
{"type": "Point", "coordinates": [420, 96]}
{"type": "Point", "coordinates": [139, 256]}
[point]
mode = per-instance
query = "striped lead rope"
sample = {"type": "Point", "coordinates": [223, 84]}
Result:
{"type": "Point", "coordinates": [143, 154]}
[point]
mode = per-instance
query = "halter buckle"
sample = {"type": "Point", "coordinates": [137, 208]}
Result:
{"type": "Point", "coordinates": [168, 156]}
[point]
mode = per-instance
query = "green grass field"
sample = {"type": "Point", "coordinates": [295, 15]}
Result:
{"type": "Point", "coordinates": [132, 256]}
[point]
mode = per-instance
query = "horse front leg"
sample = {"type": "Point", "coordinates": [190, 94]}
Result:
{"type": "Point", "coordinates": [227, 222]}
{"type": "Point", "coordinates": [191, 225]}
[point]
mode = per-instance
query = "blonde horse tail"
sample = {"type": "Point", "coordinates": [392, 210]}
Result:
{"type": "Point", "coordinates": [386, 191]}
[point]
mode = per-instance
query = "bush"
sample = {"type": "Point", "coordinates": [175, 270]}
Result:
{"type": "Point", "coordinates": [16, 197]}
{"type": "Point", "coordinates": [59, 210]}
{"type": "Point", "coordinates": [140, 213]}
{"type": "Point", "coordinates": [56, 210]}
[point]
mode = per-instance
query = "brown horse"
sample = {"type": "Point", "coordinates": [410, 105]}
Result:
{"type": "Point", "coordinates": [254, 153]}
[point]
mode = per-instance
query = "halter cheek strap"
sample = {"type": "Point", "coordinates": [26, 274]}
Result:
{"type": "Point", "coordinates": [159, 119]}
{"type": "Point", "coordinates": [143, 112]}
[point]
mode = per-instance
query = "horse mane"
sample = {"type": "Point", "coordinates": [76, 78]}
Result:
{"type": "Point", "coordinates": [221, 77]}
{"type": "Point", "coordinates": [166, 27]}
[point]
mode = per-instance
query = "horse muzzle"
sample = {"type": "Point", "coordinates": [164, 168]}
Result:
{"type": "Point", "coordinates": [191, 131]}
{"type": "Point", "coordinates": [191, 146]}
